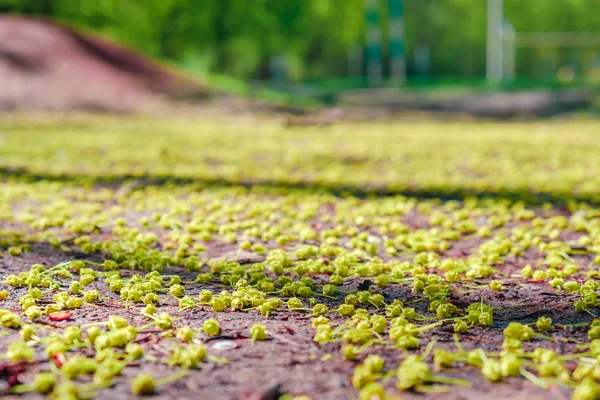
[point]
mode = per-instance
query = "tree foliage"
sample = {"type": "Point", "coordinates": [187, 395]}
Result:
{"type": "Point", "coordinates": [241, 37]}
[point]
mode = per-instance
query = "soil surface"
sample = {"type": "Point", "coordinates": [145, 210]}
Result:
{"type": "Point", "coordinates": [45, 65]}
{"type": "Point", "coordinates": [289, 361]}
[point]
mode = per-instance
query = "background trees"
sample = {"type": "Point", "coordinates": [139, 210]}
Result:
{"type": "Point", "coordinates": [314, 37]}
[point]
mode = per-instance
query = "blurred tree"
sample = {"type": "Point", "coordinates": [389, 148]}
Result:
{"type": "Point", "coordinates": [314, 37]}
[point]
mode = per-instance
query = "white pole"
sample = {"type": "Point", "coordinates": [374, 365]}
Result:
{"type": "Point", "coordinates": [494, 41]}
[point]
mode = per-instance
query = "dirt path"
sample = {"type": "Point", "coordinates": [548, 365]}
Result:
{"type": "Point", "coordinates": [45, 65]}
{"type": "Point", "coordinates": [125, 220]}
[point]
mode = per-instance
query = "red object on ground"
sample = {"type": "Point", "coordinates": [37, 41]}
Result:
{"type": "Point", "coordinates": [60, 316]}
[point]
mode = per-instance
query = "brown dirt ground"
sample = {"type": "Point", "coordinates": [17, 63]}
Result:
{"type": "Point", "coordinates": [45, 65]}
{"type": "Point", "coordinates": [290, 361]}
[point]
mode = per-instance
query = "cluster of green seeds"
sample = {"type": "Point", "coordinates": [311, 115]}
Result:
{"type": "Point", "coordinates": [414, 294]}
{"type": "Point", "coordinates": [368, 278]}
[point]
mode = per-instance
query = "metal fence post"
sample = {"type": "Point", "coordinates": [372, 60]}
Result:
{"type": "Point", "coordinates": [397, 47]}
{"type": "Point", "coordinates": [374, 53]}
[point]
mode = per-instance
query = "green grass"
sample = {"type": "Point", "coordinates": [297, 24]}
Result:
{"type": "Point", "coordinates": [549, 160]}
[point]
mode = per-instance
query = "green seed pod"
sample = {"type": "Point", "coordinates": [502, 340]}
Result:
{"type": "Point", "coordinates": [14, 281]}
{"type": "Point", "coordinates": [378, 323]}
{"type": "Point", "coordinates": [492, 370]}
{"type": "Point", "coordinates": [346, 310]}
{"type": "Point", "coordinates": [74, 303]}
{"type": "Point", "coordinates": [527, 271]}
{"type": "Point", "coordinates": [336, 279]}
{"type": "Point", "coordinates": [27, 332]}
{"type": "Point", "coordinates": [211, 327]}
{"type": "Point", "coordinates": [349, 352]}
{"type": "Point", "coordinates": [446, 310]}
{"type": "Point", "coordinates": [72, 334]}
{"type": "Point", "coordinates": [485, 319]}
{"type": "Point", "coordinates": [87, 279]}
{"type": "Point", "coordinates": [571, 286]}
{"type": "Point", "coordinates": [185, 334]}
{"type": "Point", "coordinates": [177, 290]}
{"type": "Point", "coordinates": [186, 303]}
{"type": "Point", "coordinates": [382, 280]}
{"type": "Point", "coordinates": [115, 322]}
{"type": "Point", "coordinates": [377, 300]}
{"type": "Point", "coordinates": [76, 287]}
{"type": "Point", "coordinates": [527, 333]}
{"type": "Point", "coordinates": [372, 391]}
{"type": "Point", "coordinates": [294, 303]}
{"type": "Point", "coordinates": [33, 312]}
{"type": "Point", "coordinates": [412, 372]}
{"type": "Point", "coordinates": [364, 297]}
{"type": "Point", "coordinates": [20, 351]}
{"type": "Point", "coordinates": [44, 382]}
{"type": "Point", "coordinates": [594, 332]}
{"type": "Point", "coordinates": [351, 299]}
{"type": "Point", "coordinates": [135, 350]}
{"type": "Point", "coordinates": [164, 321]}
{"type": "Point", "coordinates": [460, 326]}
{"type": "Point", "coordinates": [10, 320]}
{"type": "Point", "coordinates": [324, 333]}
{"type": "Point", "coordinates": [110, 265]}
{"type": "Point", "coordinates": [442, 358]}
{"type": "Point", "coordinates": [27, 302]}
{"type": "Point", "coordinates": [150, 298]}
{"type": "Point", "coordinates": [362, 376]}
{"type": "Point", "coordinates": [320, 320]}
{"type": "Point", "coordinates": [329, 289]}
{"type": "Point", "coordinates": [218, 305]}
{"type": "Point", "coordinates": [473, 316]}
{"type": "Point", "coordinates": [551, 368]}
{"type": "Point", "coordinates": [205, 296]}
{"type": "Point", "coordinates": [92, 333]}
{"type": "Point", "coordinates": [557, 283]}
{"type": "Point", "coordinates": [35, 293]}
{"type": "Point", "coordinates": [409, 313]}
{"type": "Point", "coordinates": [265, 309]}
{"type": "Point", "coordinates": [143, 384]}
{"type": "Point", "coordinates": [513, 330]}
{"type": "Point", "coordinates": [374, 363]}
{"type": "Point", "coordinates": [320, 309]}
{"type": "Point", "coordinates": [408, 342]}
{"type": "Point", "coordinates": [275, 303]}
{"type": "Point", "coordinates": [197, 351]}
{"type": "Point", "coordinates": [78, 365]}
{"type": "Point", "coordinates": [237, 304]}
{"type": "Point", "coordinates": [595, 347]}
{"type": "Point", "coordinates": [55, 347]}
{"type": "Point", "coordinates": [588, 389]}
{"type": "Point", "coordinates": [258, 332]}
{"type": "Point", "coordinates": [582, 371]}
{"type": "Point", "coordinates": [91, 296]}
{"type": "Point", "coordinates": [580, 306]}
{"type": "Point", "coordinates": [306, 292]}
{"type": "Point", "coordinates": [510, 365]}
{"type": "Point", "coordinates": [511, 345]}
{"type": "Point", "coordinates": [544, 324]}
{"type": "Point", "coordinates": [150, 309]}
{"type": "Point", "coordinates": [474, 358]}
